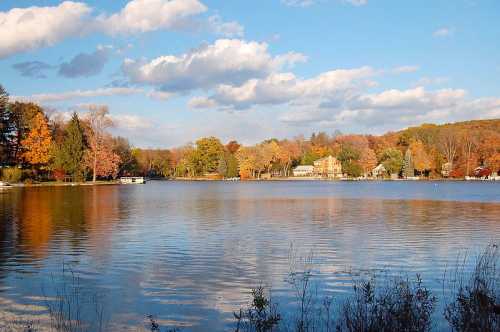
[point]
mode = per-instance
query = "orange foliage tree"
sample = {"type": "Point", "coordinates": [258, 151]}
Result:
{"type": "Point", "coordinates": [421, 160]}
{"type": "Point", "coordinates": [102, 160]}
{"type": "Point", "coordinates": [38, 143]}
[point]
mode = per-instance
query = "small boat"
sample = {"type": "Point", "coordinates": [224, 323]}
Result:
{"type": "Point", "coordinates": [132, 180]}
{"type": "Point", "coordinates": [5, 185]}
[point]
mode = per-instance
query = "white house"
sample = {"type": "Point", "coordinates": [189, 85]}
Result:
{"type": "Point", "coordinates": [379, 171]}
{"type": "Point", "coordinates": [303, 170]}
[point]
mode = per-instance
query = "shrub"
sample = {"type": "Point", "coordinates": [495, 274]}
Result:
{"type": "Point", "coordinates": [457, 173]}
{"type": "Point", "coordinates": [400, 306]}
{"type": "Point", "coordinates": [476, 305]}
{"type": "Point", "coordinates": [59, 174]}
{"type": "Point", "coordinates": [12, 174]}
{"type": "Point", "coordinates": [260, 316]}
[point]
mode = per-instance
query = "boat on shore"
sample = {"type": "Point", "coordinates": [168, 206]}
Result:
{"type": "Point", "coordinates": [5, 185]}
{"type": "Point", "coordinates": [132, 180]}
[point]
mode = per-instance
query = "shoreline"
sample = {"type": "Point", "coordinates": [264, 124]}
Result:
{"type": "Point", "coordinates": [288, 179]}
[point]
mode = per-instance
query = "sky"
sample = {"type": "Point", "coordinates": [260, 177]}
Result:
{"type": "Point", "coordinates": [172, 71]}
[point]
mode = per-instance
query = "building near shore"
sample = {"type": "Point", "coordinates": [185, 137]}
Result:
{"type": "Point", "coordinates": [379, 171]}
{"type": "Point", "coordinates": [303, 170]}
{"type": "Point", "coordinates": [328, 167]}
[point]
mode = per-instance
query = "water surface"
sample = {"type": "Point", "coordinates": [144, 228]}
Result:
{"type": "Point", "coordinates": [189, 252]}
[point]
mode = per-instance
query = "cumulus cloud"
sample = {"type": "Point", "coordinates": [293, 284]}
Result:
{"type": "Point", "coordinates": [443, 32]}
{"type": "Point", "coordinates": [281, 88]}
{"type": "Point", "coordinates": [32, 69]}
{"type": "Point", "coordinates": [85, 64]}
{"type": "Point", "coordinates": [394, 108]}
{"type": "Point", "coordinates": [226, 29]}
{"type": "Point", "coordinates": [226, 61]}
{"type": "Point", "coordinates": [160, 95]}
{"type": "Point", "coordinates": [76, 94]}
{"type": "Point", "coordinates": [298, 3]}
{"type": "Point", "coordinates": [24, 29]}
{"type": "Point", "coordinates": [417, 98]}
{"type": "Point", "coordinates": [307, 3]}
{"type": "Point", "coordinates": [130, 122]}
{"type": "Point", "coordinates": [357, 2]}
{"type": "Point", "coordinates": [405, 69]}
{"type": "Point", "coordinates": [140, 16]}
{"type": "Point", "coordinates": [424, 81]}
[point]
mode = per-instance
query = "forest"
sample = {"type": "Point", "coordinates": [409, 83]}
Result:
{"type": "Point", "coordinates": [38, 146]}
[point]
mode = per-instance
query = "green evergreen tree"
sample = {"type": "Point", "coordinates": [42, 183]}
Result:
{"type": "Point", "coordinates": [408, 167]}
{"type": "Point", "coordinates": [69, 154]}
{"type": "Point", "coordinates": [5, 128]}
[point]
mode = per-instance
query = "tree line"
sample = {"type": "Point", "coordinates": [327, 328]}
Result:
{"type": "Point", "coordinates": [36, 146]}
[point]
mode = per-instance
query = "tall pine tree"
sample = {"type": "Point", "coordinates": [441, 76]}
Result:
{"type": "Point", "coordinates": [408, 167]}
{"type": "Point", "coordinates": [5, 129]}
{"type": "Point", "coordinates": [69, 155]}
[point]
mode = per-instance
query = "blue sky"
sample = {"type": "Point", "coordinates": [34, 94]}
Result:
{"type": "Point", "coordinates": [172, 71]}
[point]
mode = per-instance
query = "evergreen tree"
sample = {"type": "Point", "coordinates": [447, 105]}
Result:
{"type": "Point", "coordinates": [408, 167]}
{"type": "Point", "coordinates": [4, 126]}
{"type": "Point", "coordinates": [69, 155]}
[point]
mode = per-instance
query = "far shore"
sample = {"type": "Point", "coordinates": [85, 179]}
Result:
{"type": "Point", "coordinates": [198, 179]}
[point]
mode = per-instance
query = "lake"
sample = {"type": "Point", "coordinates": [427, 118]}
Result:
{"type": "Point", "coordinates": [189, 253]}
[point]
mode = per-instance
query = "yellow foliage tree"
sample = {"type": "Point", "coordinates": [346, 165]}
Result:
{"type": "Point", "coordinates": [38, 143]}
{"type": "Point", "coordinates": [421, 160]}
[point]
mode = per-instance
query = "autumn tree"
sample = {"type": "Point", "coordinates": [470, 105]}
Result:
{"type": "Point", "coordinates": [22, 120]}
{"type": "Point", "coordinates": [37, 145]}
{"type": "Point", "coordinates": [288, 152]}
{"type": "Point", "coordinates": [367, 160]}
{"type": "Point", "coordinates": [469, 142]}
{"type": "Point", "coordinates": [392, 159]}
{"type": "Point", "coordinates": [128, 162]}
{"type": "Point", "coordinates": [349, 157]}
{"type": "Point", "coordinates": [248, 161]}
{"type": "Point", "coordinates": [421, 160]}
{"type": "Point", "coordinates": [209, 151]}
{"type": "Point", "coordinates": [448, 144]}
{"type": "Point", "coordinates": [98, 122]}
{"type": "Point", "coordinates": [68, 156]}
{"type": "Point", "coordinates": [103, 161]}
{"type": "Point", "coordinates": [232, 147]}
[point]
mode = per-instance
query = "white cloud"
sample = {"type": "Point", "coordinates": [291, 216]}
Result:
{"type": "Point", "coordinates": [298, 3]}
{"type": "Point", "coordinates": [357, 2]}
{"type": "Point", "coordinates": [392, 109]}
{"type": "Point", "coordinates": [140, 16]}
{"type": "Point", "coordinates": [416, 98]}
{"type": "Point", "coordinates": [160, 95]}
{"type": "Point", "coordinates": [405, 69]}
{"type": "Point", "coordinates": [226, 29]}
{"type": "Point", "coordinates": [130, 122]}
{"type": "Point", "coordinates": [307, 3]}
{"type": "Point", "coordinates": [424, 81]}
{"type": "Point", "coordinates": [226, 61]}
{"type": "Point", "coordinates": [281, 88]}
{"type": "Point", "coordinates": [56, 97]}
{"type": "Point", "coordinates": [24, 29]}
{"type": "Point", "coordinates": [443, 32]}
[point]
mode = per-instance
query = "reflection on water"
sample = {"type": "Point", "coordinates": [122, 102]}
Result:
{"type": "Point", "coordinates": [190, 252]}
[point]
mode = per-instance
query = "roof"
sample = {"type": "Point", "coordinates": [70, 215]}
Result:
{"type": "Point", "coordinates": [304, 168]}
{"type": "Point", "coordinates": [325, 158]}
